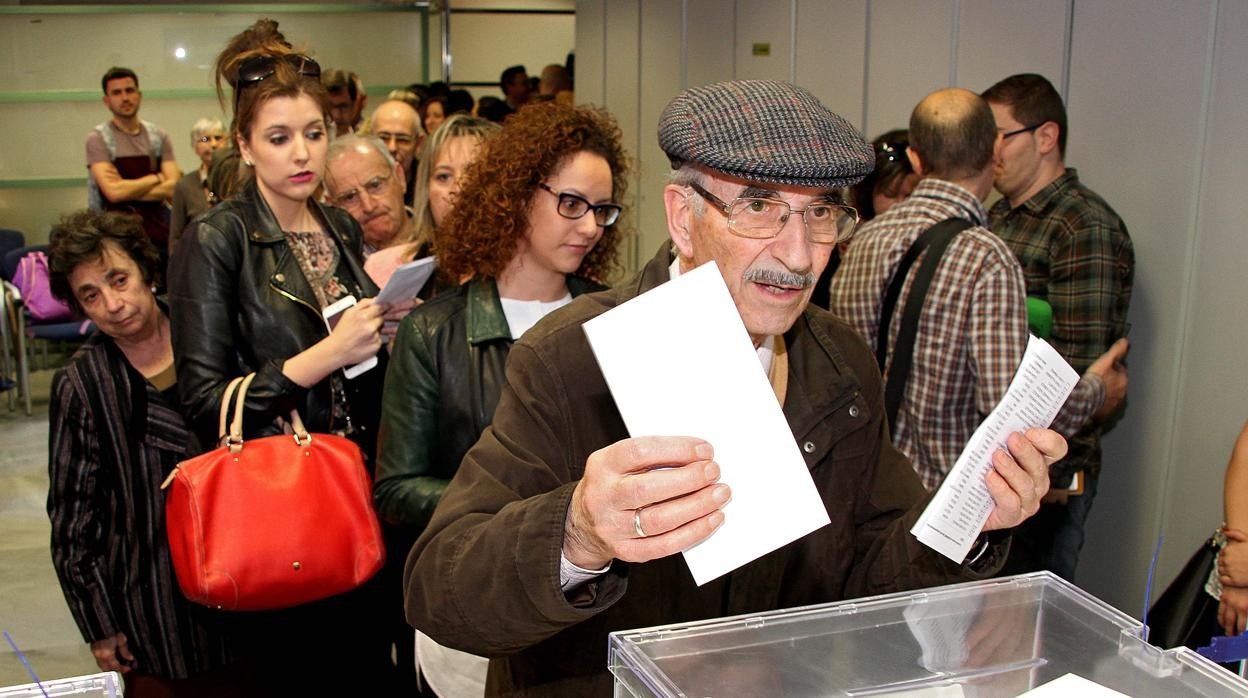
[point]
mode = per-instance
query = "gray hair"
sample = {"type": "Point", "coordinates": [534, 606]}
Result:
{"type": "Point", "coordinates": [204, 126]}
{"type": "Point", "coordinates": [354, 142]}
{"type": "Point", "coordinates": [685, 175]}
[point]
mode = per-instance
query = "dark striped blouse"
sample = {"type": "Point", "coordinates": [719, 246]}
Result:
{"type": "Point", "coordinates": [114, 438]}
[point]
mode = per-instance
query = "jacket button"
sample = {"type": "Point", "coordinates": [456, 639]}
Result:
{"type": "Point", "coordinates": [809, 447]}
{"type": "Point", "coordinates": [279, 278]}
{"type": "Point", "coordinates": [853, 410]}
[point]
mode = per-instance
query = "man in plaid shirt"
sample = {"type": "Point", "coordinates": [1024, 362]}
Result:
{"type": "Point", "coordinates": [973, 327]}
{"type": "Point", "coordinates": [1076, 255]}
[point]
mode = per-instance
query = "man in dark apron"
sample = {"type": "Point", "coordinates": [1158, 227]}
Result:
{"type": "Point", "coordinates": [131, 161]}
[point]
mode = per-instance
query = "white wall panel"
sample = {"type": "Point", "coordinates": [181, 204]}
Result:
{"type": "Point", "coordinates": [1136, 112]}
{"type": "Point", "coordinates": [1213, 400]}
{"type": "Point", "coordinates": [661, 59]}
{"type": "Point", "coordinates": [908, 56]}
{"type": "Point", "coordinates": [485, 44]}
{"type": "Point", "coordinates": [710, 38]}
{"type": "Point", "coordinates": [769, 23]}
{"type": "Point", "coordinates": [996, 40]}
{"type": "Point", "coordinates": [591, 29]}
{"type": "Point", "coordinates": [831, 53]}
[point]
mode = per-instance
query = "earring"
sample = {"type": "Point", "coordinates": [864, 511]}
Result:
{"type": "Point", "coordinates": [247, 163]}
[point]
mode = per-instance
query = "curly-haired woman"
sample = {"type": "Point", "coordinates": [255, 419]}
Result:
{"type": "Point", "coordinates": [533, 226]}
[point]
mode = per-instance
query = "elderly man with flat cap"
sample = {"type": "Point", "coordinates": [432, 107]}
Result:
{"type": "Point", "coordinates": [559, 528]}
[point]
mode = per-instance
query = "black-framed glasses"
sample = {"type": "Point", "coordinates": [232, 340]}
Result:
{"type": "Point", "coordinates": [374, 187]}
{"type": "Point", "coordinates": [573, 207]}
{"type": "Point", "coordinates": [827, 222]}
{"type": "Point", "coordinates": [1025, 129]}
{"type": "Point", "coordinates": [259, 68]}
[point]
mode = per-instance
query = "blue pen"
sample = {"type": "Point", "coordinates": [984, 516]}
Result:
{"type": "Point", "coordinates": [21, 657]}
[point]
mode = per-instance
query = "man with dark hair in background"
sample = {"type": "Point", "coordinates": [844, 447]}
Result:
{"type": "Point", "coordinates": [130, 162]}
{"type": "Point", "coordinates": [346, 98]}
{"type": "Point", "coordinates": [514, 83]}
{"type": "Point", "coordinates": [1078, 258]}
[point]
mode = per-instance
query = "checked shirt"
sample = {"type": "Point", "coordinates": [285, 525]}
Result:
{"type": "Point", "coordinates": [972, 329]}
{"type": "Point", "coordinates": [1077, 255]}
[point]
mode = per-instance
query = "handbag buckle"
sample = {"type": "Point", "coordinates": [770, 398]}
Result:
{"type": "Point", "coordinates": [302, 439]}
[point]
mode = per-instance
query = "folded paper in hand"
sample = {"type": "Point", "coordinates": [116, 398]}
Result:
{"type": "Point", "coordinates": [679, 362]}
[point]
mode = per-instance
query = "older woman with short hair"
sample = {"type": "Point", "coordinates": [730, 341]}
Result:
{"type": "Point", "coordinates": [190, 194]}
{"type": "Point", "coordinates": [116, 434]}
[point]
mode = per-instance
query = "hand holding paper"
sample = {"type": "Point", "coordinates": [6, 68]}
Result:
{"type": "Point", "coordinates": [664, 485]}
{"type": "Point", "coordinates": [723, 396]}
{"type": "Point", "coordinates": [989, 488]}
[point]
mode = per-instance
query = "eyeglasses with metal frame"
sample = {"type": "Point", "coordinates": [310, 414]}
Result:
{"type": "Point", "coordinates": [827, 222]}
{"type": "Point", "coordinates": [572, 207]}
{"type": "Point", "coordinates": [374, 187]}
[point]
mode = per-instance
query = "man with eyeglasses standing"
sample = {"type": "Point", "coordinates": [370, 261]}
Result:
{"type": "Point", "coordinates": [558, 528]}
{"type": "Point", "coordinates": [1077, 258]}
{"type": "Point", "coordinates": [130, 162]}
{"type": "Point", "coordinates": [362, 177]}
{"type": "Point", "coordinates": [397, 125]}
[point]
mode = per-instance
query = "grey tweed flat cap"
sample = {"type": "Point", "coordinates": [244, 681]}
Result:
{"type": "Point", "coordinates": [764, 131]}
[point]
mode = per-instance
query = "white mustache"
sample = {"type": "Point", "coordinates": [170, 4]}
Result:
{"type": "Point", "coordinates": [780, 278]}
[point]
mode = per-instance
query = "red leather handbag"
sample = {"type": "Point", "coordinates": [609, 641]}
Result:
{"type": "Point", "coordinates": [276, 522]}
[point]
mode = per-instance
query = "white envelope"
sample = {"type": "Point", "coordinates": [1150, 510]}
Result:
{"type": "Point", "coordinates": [679, 362]}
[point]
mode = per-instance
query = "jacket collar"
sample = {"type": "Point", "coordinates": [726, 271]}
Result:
{"type": "Point", "coordinates": [486, 320]}
{"type": "Point", "coordinates": [263, 229]}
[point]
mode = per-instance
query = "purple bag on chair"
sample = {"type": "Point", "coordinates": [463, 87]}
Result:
{"type": "Point", "coordinates": [31, 278]}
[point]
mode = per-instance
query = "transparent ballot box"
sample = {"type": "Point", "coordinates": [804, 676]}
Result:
{"type": "Point", "coordinates": [1001, 637]}
{"type": "Point", "coordinates": [105, 685]}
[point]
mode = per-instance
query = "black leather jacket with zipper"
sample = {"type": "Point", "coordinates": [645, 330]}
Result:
{"type": "Point", "coordinates": [240, 303]}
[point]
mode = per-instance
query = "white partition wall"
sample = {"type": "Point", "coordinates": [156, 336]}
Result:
{"type": "Point", "coordinates": [1156, 94]}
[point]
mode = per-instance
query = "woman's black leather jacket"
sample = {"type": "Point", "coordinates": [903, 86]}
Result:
{"type": "Point", "coordinates": [240, 303]}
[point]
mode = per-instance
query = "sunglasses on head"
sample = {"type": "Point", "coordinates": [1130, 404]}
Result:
{"type": "Point", "coordinates": [259, 68]}
{"type": "Point", "coordinates": [891, 150]}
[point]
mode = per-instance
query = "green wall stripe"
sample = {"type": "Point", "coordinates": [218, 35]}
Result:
{"type": "Point", "coordinates": [43, 183]}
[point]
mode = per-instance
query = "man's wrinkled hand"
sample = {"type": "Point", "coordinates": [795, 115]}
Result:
{"type": "Point", "coordinates": [1020, 478]}
{"type": "Point", "coordinates": [644, 498]}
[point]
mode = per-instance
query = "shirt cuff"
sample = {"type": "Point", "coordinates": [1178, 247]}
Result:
{"type": "Point", "coordinates": [571, 576]}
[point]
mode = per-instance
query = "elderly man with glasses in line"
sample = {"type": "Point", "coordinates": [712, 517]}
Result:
{"type": "Point", "coordinates": [558, 528]}
{"type": "Point", "coordinates": [362, 177]}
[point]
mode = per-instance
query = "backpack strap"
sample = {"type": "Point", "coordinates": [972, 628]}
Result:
{"type": "Point", "coordinates": [934, 240]}
{"type": "Point", "coordinates": [154, 141]}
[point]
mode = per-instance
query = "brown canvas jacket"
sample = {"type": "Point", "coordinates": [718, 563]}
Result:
{"type": "Point", "coordinates": [484, 577]}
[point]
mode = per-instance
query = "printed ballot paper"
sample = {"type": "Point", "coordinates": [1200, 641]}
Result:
{"type": "Point", "coordinates": [953, 519]}
{"type": "Point", "coordinates": [407, 281]}
{"type": "Point", "coordinates": [679, 362]}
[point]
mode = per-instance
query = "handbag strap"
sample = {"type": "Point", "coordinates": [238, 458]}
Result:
{"type": "Point", "coordinates": [935, 239]}
{"type": "Point", "coordinates": [225, 409]}
{"type": "Point", "coordinates": [235, 441]}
